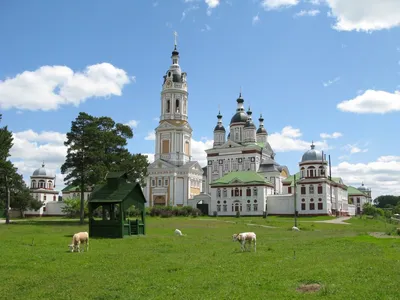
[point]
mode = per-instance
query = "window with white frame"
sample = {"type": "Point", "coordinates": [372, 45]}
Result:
{"type": "Point", "coordinates": [218, 193]}
{"type": "Point", "coordinates": [218, 205]}
{"type": "Point", "coordinates": [248, 205]}
{"type": "Point", "coordinates": [225, 193]}
{"type": "Point", "coordinates": [255, 191]}
{"type": "Point", "coordinates": [255, 205]}
{"type": "Point", "coordinates": [225, 206]}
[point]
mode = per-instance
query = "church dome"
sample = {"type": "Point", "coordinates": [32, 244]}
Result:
{"type": "Point", "coordinates": [219, 128]}
{"type": "Point", "coordinates": [239, 117]}
{"type": "Point", "coordinates": [261, 130]}
{"type": "Point", "coordinates": [41, 172]}
{"type": "Point", "coordinates": [363, 188]}
{"type": "Point", "coordinates": [312, 154]}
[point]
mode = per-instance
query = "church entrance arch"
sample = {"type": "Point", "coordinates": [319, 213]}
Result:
{"type": "Point", "coordinates": [203, 206]}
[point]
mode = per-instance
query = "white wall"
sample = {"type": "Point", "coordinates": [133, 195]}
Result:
{"type": "Point", "coordinates": [54, 208]}
{"type": "Point", "coordinates": [280, 204]}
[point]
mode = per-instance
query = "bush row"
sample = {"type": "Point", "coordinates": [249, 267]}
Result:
{"type": "Point", "coordinates": [166, 211]}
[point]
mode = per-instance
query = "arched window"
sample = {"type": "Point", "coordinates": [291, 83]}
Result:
{"type": "Point", "coordinates": [311, 189]}
{"type": "Point", "coordinates": [236, 206]}
{"type": "Point", "coordinates": [302, 172]}
{"type": "Point", "coordinates": [168, 106]}
{"type": "Point", "coordinates": [33, 184]}
{"type": "Point", "coordinates": [225, 193]}
{"type": "Point", "coordinates": [49, 184]}
{"type": "Point", "coordinates": [42, 184]}
{"type": "Point", "coordinates": [312, 204]}
{"type": "Point", "coordinates": [219, 193]}
{"type": "Point", "coordinates": [311, 172]}
{"type": "Point", "coordinates": [177, 105]}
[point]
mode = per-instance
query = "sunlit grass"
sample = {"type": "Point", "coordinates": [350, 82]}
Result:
{"type": "Point", "coordinates": [205, 264]}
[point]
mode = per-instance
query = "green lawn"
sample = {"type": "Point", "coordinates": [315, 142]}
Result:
{"type": "Point", "coordinates": [205, 264]}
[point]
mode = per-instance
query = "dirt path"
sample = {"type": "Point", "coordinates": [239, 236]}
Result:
{"type": "Point", "coordinates": [339, 220]}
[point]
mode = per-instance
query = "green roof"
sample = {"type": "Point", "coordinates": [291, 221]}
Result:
{"type": "Point", "coordinates": [352, 191]}
{"type": "Point", "coordinates": [71, 188]}
{"type": "Point", "coordinates": [245, 177]}
{"type": "Point", "coordinates": [117, 189]}
{"type": "Point", "coordinates": [290, 179]}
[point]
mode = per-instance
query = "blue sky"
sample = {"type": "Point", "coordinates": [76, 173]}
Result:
{"type": "Point", "coordinates": [297, 62]}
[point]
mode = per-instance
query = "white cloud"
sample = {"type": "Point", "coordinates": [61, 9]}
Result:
{"type": "Point", "coordinates": [314, 2]}
{"type": "Point", "coordinates": [354, 149]}
{"type": "Point", "coordinates": [187, 10]}
{"type": "Point", "coordinates": [329, 82]}
{"type": "Point", "coordinates": [50, 87]}
{"type": "Point", "coordinates": [211, 5]}
{"type": "Point", "coordinates": [198, 151]}
{"type": "Point", "coordinates": [132, 123]}
{"type": "Point", "coordinates": [307, 13]}
{"type": "Point", "coordinates": [382, 175]}
{"type": "Point", "coordinates": [277, 4]}
{"type": "Point", "coordinates": [372, 101]}
{"type": "Point", "coordinates": [255, 19]}
{"type": "Point", "coordinates": [365, 15]}
{"type": "Point", "coordinates": [150, 157]}
{"type": "Point", "coordinates": [288, 140]}
{"type": "Point", "coordinates": [151, 136]}
{"type": "Point", "coordinates": [206, 28]}
{"type": "Point", "coordinates": [334, 135]}
{"type": "Point", "coordinates": [31, 149]}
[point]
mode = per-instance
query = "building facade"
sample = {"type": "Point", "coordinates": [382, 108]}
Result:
{"type": "Point", "coordinates": [42, 188]}
{"type": "Point", "coordinates": [173, 176]}
{"type": "Point", "coordinates": [359, 196]}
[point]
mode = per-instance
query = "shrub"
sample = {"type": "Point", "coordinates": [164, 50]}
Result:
{"type": "Point", "coordinates": [173, 211]}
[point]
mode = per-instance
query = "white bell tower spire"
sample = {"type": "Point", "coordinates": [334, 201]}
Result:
{"type": "Point", "coordinates": [174, 134]}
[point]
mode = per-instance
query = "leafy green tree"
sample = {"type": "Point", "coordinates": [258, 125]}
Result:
{"type": "Point", "coordinates": [22, 200]}
{"type": "Point", "coordinates": [96, 145]}
{"type": "Point", "coordinates": [136, 166]}
{"type": "Point", "coordinates": [72, 207]}
{"type": "Point", "coordinates": [385, 200]}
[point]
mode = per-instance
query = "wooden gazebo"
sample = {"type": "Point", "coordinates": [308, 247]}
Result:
{"type": "Point", "coordinates": [108, 205]}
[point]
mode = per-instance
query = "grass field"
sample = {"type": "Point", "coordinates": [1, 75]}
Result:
{"type": "Point", "coordinates": [344, 260]}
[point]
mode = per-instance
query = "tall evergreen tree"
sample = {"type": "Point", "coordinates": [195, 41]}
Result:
{"type": "Point", "coordinates": [95, 146]}
{"type": "Point", "coordinates": [6, 167]}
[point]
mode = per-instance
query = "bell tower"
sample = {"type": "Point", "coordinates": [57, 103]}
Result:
{"type": "Point", "coordinates": [174, 134]}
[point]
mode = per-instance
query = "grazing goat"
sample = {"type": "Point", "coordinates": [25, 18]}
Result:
{"type": "Point", "coordinates": [78, 239]}
{"type": "Point", "coordinates": [178, 232]}
{"type": "Point", "coordinates": [294, 228]}
{"type": "Point", "coordinates": [244, 237]}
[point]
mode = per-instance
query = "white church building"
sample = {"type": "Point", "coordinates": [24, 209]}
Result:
{"type": "Point", "coordinates": [42, 188]}
{"type": "Point", "coordinates": [242, 175]}
{"type": "Point", "coordinates": [173, 176]}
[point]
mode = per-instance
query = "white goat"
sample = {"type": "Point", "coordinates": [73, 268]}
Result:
{"type": "Point", "coordinates": [178, 232]}
{"type": "Point", "coordinates": [294, 228]}
{"type": "Point", "coordinates": [78, 239]}
{"type": "Point", "coordinates": [244, 237]}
